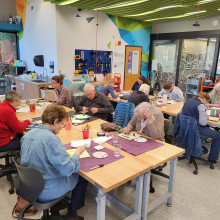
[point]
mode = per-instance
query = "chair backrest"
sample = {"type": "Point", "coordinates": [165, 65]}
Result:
{"type": "Point", "coordinates": [30, 182]}
{"type": "Point", "coordinates": [123, 113]}
{"type": "Point", "coordinates": [187, 136]}
{"type": "Point", "coordinates": [73, 101]}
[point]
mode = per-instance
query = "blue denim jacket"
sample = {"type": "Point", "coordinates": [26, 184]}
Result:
{"type": "Point", "coordinates": [186, 135]}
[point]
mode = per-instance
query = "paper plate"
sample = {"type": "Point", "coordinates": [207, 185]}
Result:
{"type": "Point", "coordinates": [141, 139]}
{"type": "Point", "coordinates": [81, 116]}
{"type": "Point", "coordinates": [100, 154]}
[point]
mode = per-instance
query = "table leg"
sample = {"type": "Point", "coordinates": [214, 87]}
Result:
{"type": "Point", "coordinates": [171, 181]}
{"type": "Point", "coordinates": [139, 195]}
{"type": "Point", "coordinates": [145, 195]}
{"type": "Point", "coordinates": [100, 199]}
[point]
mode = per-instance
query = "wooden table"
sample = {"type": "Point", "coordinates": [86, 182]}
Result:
{"type": "Point", "coordinates": [119, 172]}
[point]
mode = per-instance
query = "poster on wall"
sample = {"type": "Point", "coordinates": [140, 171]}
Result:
{"type": "Point", "coordinates": [133, 62]}
{"type": "Point", "coordinates": [118, 61]}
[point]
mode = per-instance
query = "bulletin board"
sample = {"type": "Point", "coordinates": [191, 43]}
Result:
{"type": "Point", "coordinates": [86, 60]}
{"type": "Point", "coordinates": [133, 58]}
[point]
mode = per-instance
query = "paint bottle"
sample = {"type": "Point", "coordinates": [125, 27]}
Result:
{"type": "Point", "coordinates": [10, 20]}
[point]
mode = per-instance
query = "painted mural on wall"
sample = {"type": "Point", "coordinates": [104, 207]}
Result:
{"type": "Point", "coordinates": [135, 33]}
{"type": "Point", "coordinates": [21, 6]}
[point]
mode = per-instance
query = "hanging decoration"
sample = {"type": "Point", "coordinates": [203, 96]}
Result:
{"type": "Point", "coordinates": [197, 24]}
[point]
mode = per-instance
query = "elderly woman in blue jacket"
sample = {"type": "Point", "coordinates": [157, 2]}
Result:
{"type": "Point", "coordinates": [43, 150]}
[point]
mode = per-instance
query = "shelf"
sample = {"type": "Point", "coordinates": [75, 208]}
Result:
{"type": "Point", "coordinates": [11, 27]}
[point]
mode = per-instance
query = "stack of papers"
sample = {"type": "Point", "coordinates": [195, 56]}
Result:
{"type": "Point", "coordinates": [101, 140]}
{"type": "Point", "coordinates": [80, 143]}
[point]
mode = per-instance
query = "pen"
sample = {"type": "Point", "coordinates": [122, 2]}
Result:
{"type": "Point", "coordinates": [100, 165]}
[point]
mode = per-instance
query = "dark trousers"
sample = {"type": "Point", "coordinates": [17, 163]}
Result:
{"type": "Point", "coordinates": [13, 145]}
{"type": "Point", "coordinates": [78, 194]}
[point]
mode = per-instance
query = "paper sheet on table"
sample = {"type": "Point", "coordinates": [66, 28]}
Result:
{"type": "Point", "coordinates": [80, 143]}
{"type": "Point", "coordinates": [23, 109]}
{"type": "Point", "coordinates": [81, 116]}
{"type": "Point", "coordinates": [214, 118]}
{"type": "Point", "coordinates": [85, 154]}
{"type": "Point", "coordinates": [208, 112]}
{"type": "Point", "coordinates": [101, 140]}
{"type": "Point", "coordinates": [77, 121]}
{"type": "Point", "coordinates": [129, 136]}
{"type": "Point", "coordinates": [171, 101]}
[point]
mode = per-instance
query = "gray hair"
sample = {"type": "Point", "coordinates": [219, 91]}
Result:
{"type": "Point", "coordinates": [145, 89]}
{"type": "Point", "coordinates": [89, 87]}
{"type": "Point", "coordinates": [213, 93]}
{"type": "Point", "coordinates": [142, 107]}
{"type": "Point", "coordinates": [11, 95]}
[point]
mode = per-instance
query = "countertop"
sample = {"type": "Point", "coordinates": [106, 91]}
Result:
{"type": "Point", "coordinates": [30, 81]}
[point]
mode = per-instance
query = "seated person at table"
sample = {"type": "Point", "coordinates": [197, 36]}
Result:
{"type": "Point", "coordinates": [108, 88]}
{"type": "Point", "coordinates": [172, 91]}
{"type": "Point", "coordinates": [61, 94]}
{"type": "Point", "coordinates": [141, 80]}
{"type": "Point", "coordinates": [43, 150]}
{"type": "Point", "coordinates": [140, 96]}
{"type": "Point", "coordinates": [11, 128]}
{"type": "Point", "coordinates": [94, 103]}
{"type": "Point", "coordinates": [215, 96]}
{"type": "Point", "coordinates": [195, 108]}
{"type": "Point", "coordinates": [147, 120]}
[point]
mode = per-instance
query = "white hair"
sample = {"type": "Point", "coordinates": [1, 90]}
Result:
{"type": "Point", "coordinates": [145, 88]}
{"type": "Point", "coordinates": [142, 107]}
{"type": "Point", "coordinates": [89, 87]}
{"type": "Point", "coordinates": [213, 93]}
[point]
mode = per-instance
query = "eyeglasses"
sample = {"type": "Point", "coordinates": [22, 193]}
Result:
{"type": "Point", "coordinates": [63, 124]}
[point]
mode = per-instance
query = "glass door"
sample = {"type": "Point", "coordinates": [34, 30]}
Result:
{"type": "Point", "coordinates": [196, 61]}
{"type": "Point", "coordinates": [164, 62]}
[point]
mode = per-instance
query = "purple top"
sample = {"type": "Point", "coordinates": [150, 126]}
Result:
{"type": "Point", "coordinates": [136, 148]}
{"type": "Point", "coordinates": [87, 163]}
{"type": "Point", "coordinates": [64, 96]}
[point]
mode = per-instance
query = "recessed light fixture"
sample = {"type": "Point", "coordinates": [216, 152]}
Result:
{"type": "Point", "coordinates": [219, 9]}
{"type": "Point", "coordinates": [123, 4]}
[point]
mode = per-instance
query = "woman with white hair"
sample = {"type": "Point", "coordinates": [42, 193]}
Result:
{"type": "Point", "coordinates": [147, 120]}
{"type": "Point", "coordinates": [141, 95]}
{"type": "Point", "coordinates": [215, 96]}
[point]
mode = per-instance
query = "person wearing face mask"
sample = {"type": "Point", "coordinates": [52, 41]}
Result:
{"type": "Point", "coordinates": [42, 149]}
{"type": "Point", "coordinates": [11, 128]}
{"type": "Point", "coordinates": [147, 120]}
{"type": "Point", "coordinates": [195, 107]}
{"type": "Point", "coordinates": [172, 91]}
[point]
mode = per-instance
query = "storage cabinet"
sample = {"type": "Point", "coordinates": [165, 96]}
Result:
{"type": "Point", "coordinates": [29, 90]}
{"type": "Point", "coordinates": [192, 87]}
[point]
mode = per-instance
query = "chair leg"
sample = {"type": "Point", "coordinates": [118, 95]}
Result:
{"type": "Point", "coordinates": [9, 178]}
{"type": "Point", "coordinates": [192, 159]}
{"type": "Point", "coordinates": [159, 173]}
{"type": "Point", "coordinates": [45, 214]}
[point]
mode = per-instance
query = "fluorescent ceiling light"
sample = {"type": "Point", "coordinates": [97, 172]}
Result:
{"type": "Point", "coordinates": [195, 12]}
{"type": "Point", "coordinates": [205, 1]}
{"type": "Point", "coordinates": [177, 16]}
{"type": "Point", "coordinates": [67, 2]}
{"type": "Point", "coordinates": [123, 4]}
{"type": "Point", "coordinates": [219, 9]}
{"type": "Point", "coordinates": [155, 10]}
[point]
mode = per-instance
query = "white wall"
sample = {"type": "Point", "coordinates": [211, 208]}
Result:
{"type": "Point", "coordinates": [39, 36]}
{"type": "Point", "coordinates": [7, 7]}
{"type": "Point", "coordinates": [76, 33]}
{"type": "Point", "coordinates": [186, 25]}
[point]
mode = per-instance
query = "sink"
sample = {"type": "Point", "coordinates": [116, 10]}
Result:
{"type": "Point", "coordinates": [38, 81]}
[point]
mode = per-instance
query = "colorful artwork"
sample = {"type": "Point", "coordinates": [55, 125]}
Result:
{"type": "Point", "coordinates": [137, 33]}
{"type": "Point", "coordinates": [21, 6]}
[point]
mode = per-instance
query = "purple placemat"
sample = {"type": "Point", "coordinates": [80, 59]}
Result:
{"type": "Point", "coordinates": [134, 147]}
{"type": "Point", "coordinates": [87, 163]}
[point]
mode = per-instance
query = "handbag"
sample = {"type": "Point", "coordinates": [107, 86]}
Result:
{"type": "Point", "coordinates": [20, 204]}
{"type": "Point", "coordinates": [110, 127]}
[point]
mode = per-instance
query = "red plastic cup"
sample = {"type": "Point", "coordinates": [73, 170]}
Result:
{"type": "Point", "coordinates": [68, 125]}
{"type": "Point", "coordinates": [32, 107]}
{"type": "Point", "coordinates": [85, 134]}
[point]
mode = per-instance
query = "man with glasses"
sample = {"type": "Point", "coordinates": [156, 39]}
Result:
{"type": "Point", "coordinates": [11, 128]}
{"type": "Point", "coordinates": [95, 103]}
